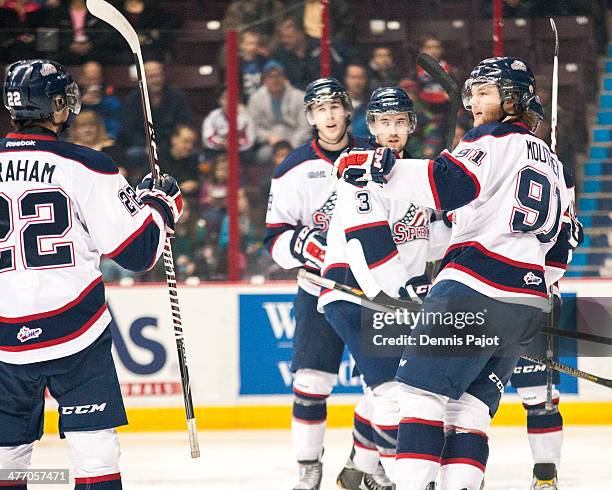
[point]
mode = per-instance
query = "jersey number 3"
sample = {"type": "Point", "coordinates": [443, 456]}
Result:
{"type": "Point", "coordinates": [533, 193]}
{"type": "Point", "coordinates": [45, 215]}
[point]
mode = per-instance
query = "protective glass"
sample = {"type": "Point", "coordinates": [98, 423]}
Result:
{"type": "Point", "coordinates": [73, 97]}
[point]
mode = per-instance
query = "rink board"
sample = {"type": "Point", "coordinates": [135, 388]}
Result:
{"type": "Point", "coordinates": [239, 339]}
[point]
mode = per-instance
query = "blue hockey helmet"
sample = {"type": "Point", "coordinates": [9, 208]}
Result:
{"type": "Point", "coordinates": [325, 90]}
{"type": "Point", "coordinates": [391, 100]}
{"type": "Point", "coordinates": [35, 89]}
{"type": "Point", "coordinates": [513, 78]}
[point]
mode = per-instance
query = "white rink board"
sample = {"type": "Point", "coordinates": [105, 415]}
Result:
{"type": "Point", "coordinates": [211, 324]}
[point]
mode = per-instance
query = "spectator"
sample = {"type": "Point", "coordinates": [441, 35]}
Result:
{"type": "Point", "coordinates": [215, 129]}
{"type": "Point", "coordinates": [277, 110]}
{"type": "Point", "coordinates": [180, 160]}
{"type": "Point", "coordinates": [251, 63]}
{"type": "Point", "coordinates": [300, 55]}
{"type": "Point", "coordinates": [245, 229]}
{"type": "Point", "coordinates": [430, 91]}
{"type": "Point", "coordinates": [169, 108]}
{"type": "Point", "coordinates": [262, 13]}
{"type": "Point", "coordinates": [383, 71]}
{"type": "Point", "coordinates": [18, 42]}
{"type": "Point", "coordinates": [155, 26]}
{"type": "Point", "coordinates": [356, 83]}
{"type": "Point", "coordinates": [83, 36]}
{"type": "Point", "coordinates": [98, 97]}
{"type": "Point", "coordinates": [426, 140]}
{"type": "Point", "coordinates": [340, 16]}
{"type": "Point", "coordinates": [280, 150]}
{"type": "Point", "coordinates": [188, 245]}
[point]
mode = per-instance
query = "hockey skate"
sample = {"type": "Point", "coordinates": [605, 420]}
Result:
{"type": "Point", "coordinates": [544, 477]}
{"type": "Point", "coordinates": [376, 481]}
{"type": "Point", "coordinates": [311, 473]}
{"type": "Point", "coordinates": [350, 477]}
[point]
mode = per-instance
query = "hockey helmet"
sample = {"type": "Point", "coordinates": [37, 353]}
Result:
{"type": "Point", "coordinates": [35, 89]}
{"type": "Point", "coordinates": [514, 80]}
{"type": "Point", "coordinates": [391, 100]}
{"type": "Point", "coordinates": [325, 90]}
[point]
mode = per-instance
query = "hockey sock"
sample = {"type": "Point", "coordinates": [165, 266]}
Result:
{"type": "Point", "coordinates": [545, 432]}
{"type": "Point", "coordinates": [105, 482]}
{"type": "Point", "coordinates": [419, 445]}
{"type": "Point", "coordinates": [308, 425]}
{"type": "Point", "coordinates": [365, 457]}
{"type": "Point", "coordinates": [464, 459]}
{"type": "Point", "coordinates": [385, 420]}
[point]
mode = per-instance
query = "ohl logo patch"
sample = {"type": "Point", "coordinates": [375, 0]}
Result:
{"type": "Point", "coordinates": [413, 226]}
{"type": "Point", "coordinates": [322, 216]}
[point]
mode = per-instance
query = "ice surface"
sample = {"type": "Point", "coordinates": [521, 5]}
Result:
{"type": "Point", "coordinates": [263, 460]}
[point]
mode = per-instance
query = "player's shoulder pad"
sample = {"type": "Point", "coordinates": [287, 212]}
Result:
{"type": "Point", "coordinates": [91, 159]}
{"type": "Point", "coordinates": [298, 156]}
{"type": "Point", "coordinates": [495, 129]}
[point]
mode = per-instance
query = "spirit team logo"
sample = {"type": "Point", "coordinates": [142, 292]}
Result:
{"type": "Point", "coordinates": [413, 226]}
{"type": "Point", "coordinates": [322, 216]}
{"type": "Point", "coordinates": [26, 334]}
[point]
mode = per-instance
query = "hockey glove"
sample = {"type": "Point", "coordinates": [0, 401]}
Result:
{"type": "Point", "coordinates": [164, 195]}
{"type": "Point", "coordinates": [358, 166]}
{"type": "Point", "coordinates": [416, 289]}
{"type": "Point", "coordinates": [308, 246]}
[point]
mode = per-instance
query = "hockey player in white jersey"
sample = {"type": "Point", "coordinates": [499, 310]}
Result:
{"type": "Point", "coordinates": [508, 193]}
{"type": "Point", "coordinates": [62, 206]}
{"type": "Point", "coordinates": [302, 199]}
{"type": "Point", "coordinates": [397, 240]}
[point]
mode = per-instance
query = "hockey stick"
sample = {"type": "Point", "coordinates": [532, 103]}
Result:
{"type": "Point", "coordinates": [562, 368]}
{"type": "Point", "coordinates": [435, 71]}
{"type": "Point", "coordinates": [360, 270]}
{"type": "Point", "coordinates": [555, 90]}
{"type": "Point", "coordinates": [109, 14]}
{"type": "Point", "coordinates": [384, 307]}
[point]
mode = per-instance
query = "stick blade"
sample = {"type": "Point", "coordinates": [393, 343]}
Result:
{"type": "Point", "coordinates": [109, 14]}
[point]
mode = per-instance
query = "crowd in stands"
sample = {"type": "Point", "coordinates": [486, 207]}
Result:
{"type": "Point", "coordinates": [279, 53]}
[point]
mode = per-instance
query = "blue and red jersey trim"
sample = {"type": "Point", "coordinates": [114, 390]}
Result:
{"type": "Point", "coordinates": [56, 326]}
{"type": "Point", "coordinates": [496, 270]}
{"type": "Point", "coordinates": [376, 240]}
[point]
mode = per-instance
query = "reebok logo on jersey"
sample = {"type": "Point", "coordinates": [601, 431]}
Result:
{"type": "Point", "coordinates": [11, 144]}
{"type": "Point", "coordinates": [531, 279]}
{"type": "Point", "coordinates": [83, 409]}
{"type": "Point", "coordinates": [26, 334]}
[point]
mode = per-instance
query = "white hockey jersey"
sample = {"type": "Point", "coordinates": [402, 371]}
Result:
{"type": "Point", "coordinates": [397, 238]}
{"type": "Point", "coordinates": [62, 206]}
{"type": "Point", "coordinates": [508, 192]}
{"type": "Point", "coordinates": [302, 193]}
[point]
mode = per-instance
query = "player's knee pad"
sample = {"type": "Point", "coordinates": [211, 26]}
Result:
{"type": "Point", "coordinates": [311, 382]}
{"type": "Point", "coordinates": [467, 414]}
{"type": "Point", "coordinates": [414, 402]}
{"type": "Point", "coordinates": [385, 403]}
{"type": "Point", "coordinates": [532, 396]}
{"type": "Point", "coordinates": [17, 457]}
{"type": "Point", "coordinates": [94, 453]}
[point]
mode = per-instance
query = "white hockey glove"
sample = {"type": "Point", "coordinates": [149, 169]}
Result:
{"type": "Point", "coordinates": [164, 195]}
{"type": "Point", "coordinates": [358, 166]}
{"type": "Point", "coordinates": [308, 246]}
{"type": "Point", "coordinates": [416, 289]}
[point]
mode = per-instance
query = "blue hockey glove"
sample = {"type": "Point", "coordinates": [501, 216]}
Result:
{"type": "Point", "coordinates": [416, 289]}
{"type": "Point", "coordinates": [165, 196]}
{"type": "Point", "coordinates": [359, 166]}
